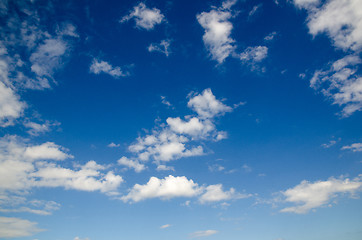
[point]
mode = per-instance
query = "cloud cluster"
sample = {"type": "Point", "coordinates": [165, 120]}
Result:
{"type": "Point", "coordinates": [43, 52]}
{"type": "Point", "coordinates": [217, 36]}
{"type": "Point", "coordinates": [341, 84]}
{"type": "Point", "coordinates": [355, 147]}
{"type": "Point", "coordinates": [341, 20]}
{"type": "Point", "coordinates": [24, 166]}
{"type": "Point", "coordinates": [308, 195]}
{"type": "Point", "coordinates": [178, 137]}
{"type": "Point", "coordinates": [145, 17]}
{"type": "Point", "coordinates": [173, 187]}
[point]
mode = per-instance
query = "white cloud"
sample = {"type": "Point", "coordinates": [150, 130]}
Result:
{"type": "Point", "coordinates": [179, 138]}
{"type": "Point", "coordinates": [16, 227]}
{"type": "Point", "coordinates": [24, 166]}
{"type": "Point", "coordinates": [355, 147]}
{"type": "Point", "coordinates": [100, 66]}
{"type": "Point", "coordinates": [340, 84]}
{"type": "Point", "coordinates": [341, 20]}
{"type": "Point", "coordinates": [145, 17]}
{"type": "Point", "coordinates": [255, 9]}
{"type": "Point", "coordinates": [36, 129]}
{"type": "Point", "coordinates": [78, 238]}
{"type": "Point", "coordinates": [214, 193]}
{"type": "Point", "coordinates": [48, 150]}
{"type": "Point", "coordinates": [138, 167]}
{"type": "Point", "coordinates": [217, 31]}
{"type": "Point", "coordinates": [172, 187]}
{"type": "Point", "coordinates": [113, 145]}
{"type": "Point", "coordinates": [10, 204]}
{"type": "Point", "coordinates": [270, 36]}
{"type": "Point", "coordinates": [207, 106]}
{"type": "Point", "coordinates": [11, 107]}
{"type": "Point", "coordinates": [167, 188]}
{"type": "Point", "coordinates": [205, 233]}
{"type": "Point", "coordinates": [162, 47]}
{"type": "Point", "coordinates": [254, 54]}
{"type": "Point", "coordinates": [165, 226]}
{"type": "Point", "coordinates": [165, 101]}
{"type": "Point", "coordinates": [329, 144]}
{"type": "Point", "coordinates": [162, 167]}
{"type": "Point", "coordinates": [308, 196]}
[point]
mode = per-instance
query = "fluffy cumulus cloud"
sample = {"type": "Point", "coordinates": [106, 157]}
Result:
{"type": "Point", "coordinates": [11, 227]}
{"type": "Point", "coordinates": [180, 137]}
{"type": "Point", "coordinates": [218, 30]}
{"type": "Point", "coordinates": [100, 66]}
{"type": "Point", "coordinates": [341, 20]}
{"type": "Point", "coordinates": [310, 195]}
{"type": "Point", "coordinates": [341, 84]}
{"type": "Point", "coordinates": [144, 17]}
{"type": "Point", "coordinates": [355, 147]}
{"type": "Point", "coordinates": [204, 233]}
{"type": "Point", "coordinates": [36, 129]}
{"type": "Point", "coordinates": [138, 167]}
{"type": "Point", "coordinates": [24, 166]}
{"type": "Point", "coordinates": [162, 47]}
{"type": "Point", "coordinates": [172, 187]}
{"type": "Point", "coordinates": [167, 188]}
{"type": "Point", "coordinates": [206, 105]}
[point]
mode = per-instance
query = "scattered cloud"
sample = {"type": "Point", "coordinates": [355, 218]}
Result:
{"type": "Point", "coordinates": [35, 129]}
{"type": "Point", "coordinates": [255, 9]}
{"type": "Point", "coordinates": [179, 137]}
{"type": "Point", "coordinates": [205, 233]}
{"type": "Point", "coordinates": [138, 167]}
{"type": "Point", "coordinates": [341, 20]}
{"type": "Point", "coordinates": [214, 193]}
{"type": "Point", "coordinates": [340, 84]}
{"type": "Point", "coordinates": [165, 101]}
{"type": "Point", "coordinates": [165, 226]}
{"type": "Point", "coordinates": [355, 147]}
{"type": "Point", "coordinates": [113, 145]}
{"type": "Point", "coordinates": [307, 195]}
{"type": "Point", "coordinates": [172, 187]}
{"type": "Point", "coordinates": [329, 144]}
{"type": "Point", "coordinates": [218, 30]}
{"type": "Point", "coordinates": [216, 168]}
{"type": "Point", "coordinates": [270, 37]}
{"type": "Point", "coordinates": [11, 227]}
{"type": "Point", "coordinates": [145, 17]}
{"type": "Point", "coordinates": [162, 167]}
{"type": "Point", "coordinates": [100, 66]}
{"type": "Point", "coordinates": [11, 107]}
{"type": "Point", "coordinates": [24, 166]}
{"type": "Point", "coordinates": [167, 188]}
{"type": "Point", "coordinates": [254, 54]}
{"type": "Point", "coordinates": [162, 47]}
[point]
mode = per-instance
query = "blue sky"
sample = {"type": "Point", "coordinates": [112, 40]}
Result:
{"type": "Point", "coordinates": [181, 120]}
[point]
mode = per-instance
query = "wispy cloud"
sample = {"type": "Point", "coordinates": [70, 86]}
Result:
{"type": "Point", "coordinates": [100, 66]}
